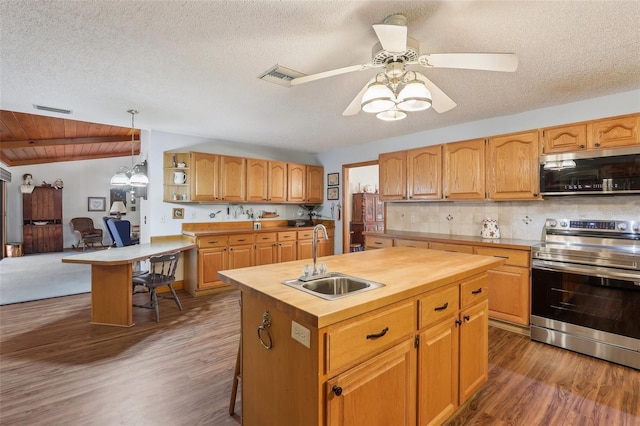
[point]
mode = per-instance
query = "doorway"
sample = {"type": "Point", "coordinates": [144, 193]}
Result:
{"type": "Point", "coordinates": [354, 178]}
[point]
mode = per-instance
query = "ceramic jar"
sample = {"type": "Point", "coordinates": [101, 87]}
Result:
{"type": "Point", "coordinates": [179, 178]}
{"type": "Point", "coordinates": [490, 228]}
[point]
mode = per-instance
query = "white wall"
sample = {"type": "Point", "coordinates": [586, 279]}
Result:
{"type": "Point", "coordinates": [607, 106]}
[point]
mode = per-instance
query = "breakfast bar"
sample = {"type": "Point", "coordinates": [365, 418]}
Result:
{"type": "Point", "coordinates": [111, 270]}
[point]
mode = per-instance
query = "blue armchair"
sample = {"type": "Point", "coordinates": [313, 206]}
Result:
{"type": "Point", "coordinates": [121, 232]}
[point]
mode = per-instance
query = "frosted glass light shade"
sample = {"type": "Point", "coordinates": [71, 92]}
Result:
{"type": "Point", "coordinates": [377, 98]}
{"type": "Point", "coordinates": [414, 96]}
{"type": "Point", "coordinates": [120, 178]}
{"type": "Point", "coordinates": [391, 115]}
{"type": "Point", "coordinates": [139, 179]}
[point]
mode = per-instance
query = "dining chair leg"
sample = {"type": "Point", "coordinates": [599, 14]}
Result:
{"type": "Point", "coordinates": [236, 379]}
{"type": "Point", "coordinates": [175, 296]}
{"type": "Point", "coordinates": [154, 302]}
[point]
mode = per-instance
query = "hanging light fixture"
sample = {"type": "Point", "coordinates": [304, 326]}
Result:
{"type": "Point", "coordinates": [134, 176]}
{"type": "Point", "coordinates": [394, 93]}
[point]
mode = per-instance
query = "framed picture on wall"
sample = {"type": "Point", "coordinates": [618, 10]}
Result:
{"type": "Point", "coordinates": [333, 193]}
{"type": "Point", "coordinates": [96, 204]}
{"type": "Point", "coordinates": [178, 213]}
{"type": "Point", "coordinates": [333, 179]}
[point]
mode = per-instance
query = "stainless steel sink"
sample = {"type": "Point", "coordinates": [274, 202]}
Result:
{"type": "Point", "coordinates": [333, 285]}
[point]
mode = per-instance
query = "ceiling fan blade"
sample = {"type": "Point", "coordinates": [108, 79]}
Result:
{"type": "Point", "coordinates": [393, 38]}
{"type": "Point", "coordinates": [507, 62]}
{"type": "Point", "coordinates": [354, 106]}
{"type": "Point", "coordinates": [331, 73]}
{"type": "Point", "coordinates": [439, 100]}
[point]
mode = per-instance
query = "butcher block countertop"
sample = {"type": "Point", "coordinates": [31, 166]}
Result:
{"type": "Point", "coordinates": [246, 227]}
{"type": "Point", "coordinates": [513, 243]}
{"type": "Point", "coordinates": [405, 271]}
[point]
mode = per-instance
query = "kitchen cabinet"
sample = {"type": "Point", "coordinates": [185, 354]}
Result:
{"type": "Point", "coordinates": [204, 179]}
{"type": "Point", "coordinates": [392, 175]}
{"type": "Point", "coordinates": [266, 181]}
{"type": "Point", "coordinates": [455, 248]}
{"type": "Point", "coordinates": [572, 137]}
{"type": "Point", "coordinates": [177, 180]}
{"type": "Point", "coordinates": [305, 244]}
{"type": "Point", "coordinates": [287, 246]}
{"type": "Point", "coordinates": [464, 170]}
{"type": "Point", "coordinates": [509, 285]}
{"type": "Point", "coordinates": [315, 184]}
{"type": "Point", "coordinates": [42, 220]}
{"type": "Point", "coordinates": [233, 174]}
{"type": "Point", "coordinates": [506, 182]}
{"type": "Point", "coordinates": [241, 250]}
{"type": "Point", "coordinates": [377, 242]}
{"type": "Point", "coordinates": [266, 249]}
{"type": "Point", "coordinates": [297, 183]}
{"type": "Point", "coordinates": [424, 173]}
{"type": "Point", "coordinates": [213, 256]}
{"type": "Point", "coordinates": [367, 214]}
{"type": "Point", "coordinates": [615, 132]}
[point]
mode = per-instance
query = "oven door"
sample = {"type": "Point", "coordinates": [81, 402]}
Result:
{"type": "Point", "coordinates": [595, 315]}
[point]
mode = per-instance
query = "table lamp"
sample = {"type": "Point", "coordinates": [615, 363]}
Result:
{"type": "Point", "coordinates": [118, 208]}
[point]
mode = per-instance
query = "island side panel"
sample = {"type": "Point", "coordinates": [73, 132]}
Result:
{"type": "Point", "coordinates": [111, 295]}
{"type": "Point", "coordinates": [281, 385]}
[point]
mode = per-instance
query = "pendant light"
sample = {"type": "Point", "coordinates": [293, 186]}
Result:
{"type": "Point", "coordinates": [133, 176]}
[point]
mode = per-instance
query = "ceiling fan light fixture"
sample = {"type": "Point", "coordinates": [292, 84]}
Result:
{"type": "Point", "coordinates": [121, 177]}
{"type": "Point", "coordinates": [414, 96]}
{"type": "Point", "coordinates": [377, 98]}
{"type": "Point", "coordinates": [391, 115]}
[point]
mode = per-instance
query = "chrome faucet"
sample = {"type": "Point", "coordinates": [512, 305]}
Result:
{"type": "Point", "coordinates": [315, 244]}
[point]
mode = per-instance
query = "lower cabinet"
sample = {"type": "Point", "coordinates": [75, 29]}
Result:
{"type": "Point", "coordinates": [266, 251]}
{"type": "Point", "coordinates": [380, 391]}
{"type": "Point", "coordinates": [210, 261]}
{"type": "Point", "coordinates": [287, 246]}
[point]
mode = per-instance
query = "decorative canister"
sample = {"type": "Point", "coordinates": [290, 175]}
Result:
{"type": "Point", "coordinates": [179, 178]}
{"type": "Point", "coordinates": [490, 228]}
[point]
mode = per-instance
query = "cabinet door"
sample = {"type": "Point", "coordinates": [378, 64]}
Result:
{"type": "Point", "coordinates": [357, 207]}
{"type": "Point", "coordinates": [369, 208]}
{"type": "Point", "coordinates": [315, 184]}
{"type": "Point", "coordinates": [616, 132]}
{"type": "Point", "coordinates": [286, 251]}
{"type": "Point", "coordinates": [257, 180]}
{"type": "Point", "coordinates": [565, 138]}
{"type": "Point", "coordinates": [509, 294]}
{"type": "Point", "coordinates": [233, 178]}
{"type": "Point", "coordinates": [424, 176]}
{"type": "Point", "coordinates": [380, 391]}
{"type": "Point", "coordinates": [296, 182]}
{"type": "Point", "coordinates": [392, 173]}
{"type": "Point", "coordinates": [241, 256]}
{"type": "Point", "coordinates": [305, 249]}
{"type": "Point", "coordinates": [464, 177]}
{"type": "Point", "coordinates": [325, 247]}
{"type": "Point", "coordinates": [210, 261]}
{"type": "Point", "coordinates": [266, 254]}
{"type": "Point", "coordinates": [379, 208]}
{"type": "Point", "coordinates": [474, 349]}
{"type": "Point", "coordinates": [506, 182]}
{"type": "Point", "coordinates": [438, 372]}
{"type": "Point", "coordinates": [204, 178]}
{"type": "Point", "coordinates": [277, 188]}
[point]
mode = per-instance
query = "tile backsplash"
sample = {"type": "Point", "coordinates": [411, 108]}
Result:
{"type": "Point", "coordinates": [521, 219]}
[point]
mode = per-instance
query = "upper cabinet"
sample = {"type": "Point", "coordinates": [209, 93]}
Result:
{"type": "Point", "coordinates": [305, 183]}
{"type": "Point", "coordinates": [277, 182]}
{"type": "Point", "coordinates": [205, 171]}
{"type": "Point", "coordinates": [615, 132]}
{"type": "Point", "coordinates": [506, 182]}
{"type": "Point", "coordinates": [266, 181]}
{"type": "Point", "coordinates": [424, 173]}
{"type": "Point", "coordinates": [233, 174]}
{"type": "Point", "coordinates": [315, 184]}
{"type": "Point", "coordinates": [392, 175]}
{"type": "Point", "coordinates": [464, 170]}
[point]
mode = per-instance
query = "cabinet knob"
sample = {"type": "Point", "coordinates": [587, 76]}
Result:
{"type": "Point", "coordinates": [597, 144]}
{"type": "Point", "coordinates": [467, 318]}
{"type": "Point", "coordinates": [458, 322]}
{"type": "Point", "coordinates": [581, 146]}
{"type": "Point", "coordinates": [337, 390]}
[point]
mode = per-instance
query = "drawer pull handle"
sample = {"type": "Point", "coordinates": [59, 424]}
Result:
{"type": "Point", "coordinates": [213, 242]}
{"type": "Point", "coordinates": [441, 308]}
{"type": "Point", "coordinates": [337, 390]}
{"type": "Point", "coordinates": [478, 291]}
{"type": "Point", "coordinates": [377, 335]}
{"type": "Point", "coordinates": [502, 257]}
{"type": "Point", "coordinates": [377, 242]}
{"type": "Point", "coordinates": [242, 240]}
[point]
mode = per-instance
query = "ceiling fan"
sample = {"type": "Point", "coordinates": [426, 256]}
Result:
{"type": "Point", "coordinates": [397, 89]}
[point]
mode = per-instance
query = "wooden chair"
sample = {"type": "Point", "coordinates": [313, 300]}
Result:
{"type": "Point", "coordinates": [162, 271]}
{"type": "Point", "coordinates": [86, 232]}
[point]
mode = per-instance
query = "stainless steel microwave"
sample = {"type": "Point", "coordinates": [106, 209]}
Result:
{"type": "Point", "coordinates": [602, 172]}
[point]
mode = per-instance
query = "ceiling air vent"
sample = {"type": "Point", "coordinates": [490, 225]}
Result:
{"type": "Point", "coordinates": [52, 109]}
{"type": "Point", "coordinates": [280, 75]}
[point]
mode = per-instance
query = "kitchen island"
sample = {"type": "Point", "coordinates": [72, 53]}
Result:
{"type": "Point", "coordinates": [407, 353]}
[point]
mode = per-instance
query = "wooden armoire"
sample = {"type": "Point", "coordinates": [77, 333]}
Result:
{"type": "Point", "coordinates": [42, 220]}
{"type": "Point", "coordinates": [367, 215]}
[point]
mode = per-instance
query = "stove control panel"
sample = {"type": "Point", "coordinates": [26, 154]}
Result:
{"type": "Point", "coordinates": [570, 227]}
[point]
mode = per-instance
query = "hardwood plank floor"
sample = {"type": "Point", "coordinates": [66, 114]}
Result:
{"type": "Point", "coordinates": [57, 369]}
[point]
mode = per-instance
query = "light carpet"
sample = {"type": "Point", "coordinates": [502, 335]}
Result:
{"type": "Point", "coordinates": [41, 276]}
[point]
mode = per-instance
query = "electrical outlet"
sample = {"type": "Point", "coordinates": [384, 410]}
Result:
{"type": "Point", "coordinates": [301, 334]}
{"type": "Point", "coordinates": [193, 215]}
{"type": "Point", "coordinates": [162, 219]}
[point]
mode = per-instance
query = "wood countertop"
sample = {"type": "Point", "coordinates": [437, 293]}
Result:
{"type": "Point", "coordinates": [405, 271]}
{"type": "Point", "coordinates": [129, 254]}
{"type": "Point", "coordinates": [513, 243]}
{"type": "Point", "coordinates": [204, 231]}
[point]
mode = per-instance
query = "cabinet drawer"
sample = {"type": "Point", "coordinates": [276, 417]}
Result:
{"type": "Point", "coordinates": [474, 290]}
{"type": "Point", "coordinates": [240, 239]}
{"type": "Point", "coordinates": [266, 237]}
{"type": "Point", "coordinates": [458, 248]}
{"type": "Point", "coordinates": [514, 257]}
{"type": "Point", "coordinates": [374, 241]}
{"type": "Point", "coordinates": [369, 335]}
{"type": "Point", "coordinates": [208, 242]}
{"type": "Point", "coordinates": [438, 304]}
{"type": "Point", "coordinates": [287, 236]}
{"type": "Point", "coordinates": [305, 235]}
{"type": "Point", "coordinates": [398, 242]}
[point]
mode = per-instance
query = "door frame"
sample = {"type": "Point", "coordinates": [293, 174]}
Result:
{"type": "Point", "coordinates": [346, 201]}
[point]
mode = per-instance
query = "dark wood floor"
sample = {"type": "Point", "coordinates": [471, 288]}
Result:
{"type": "Point", "coordinates": [57, 369]}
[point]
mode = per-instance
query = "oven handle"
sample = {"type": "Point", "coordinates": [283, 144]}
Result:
{"type": "Point", "coordinates": [590, 270]}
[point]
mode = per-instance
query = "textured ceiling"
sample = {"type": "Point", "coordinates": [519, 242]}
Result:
{"type": "Point", "coordinates": [191, 67]}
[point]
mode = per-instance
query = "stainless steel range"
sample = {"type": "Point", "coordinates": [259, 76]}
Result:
{"type": "Point", "coordinates": [585, 288]}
